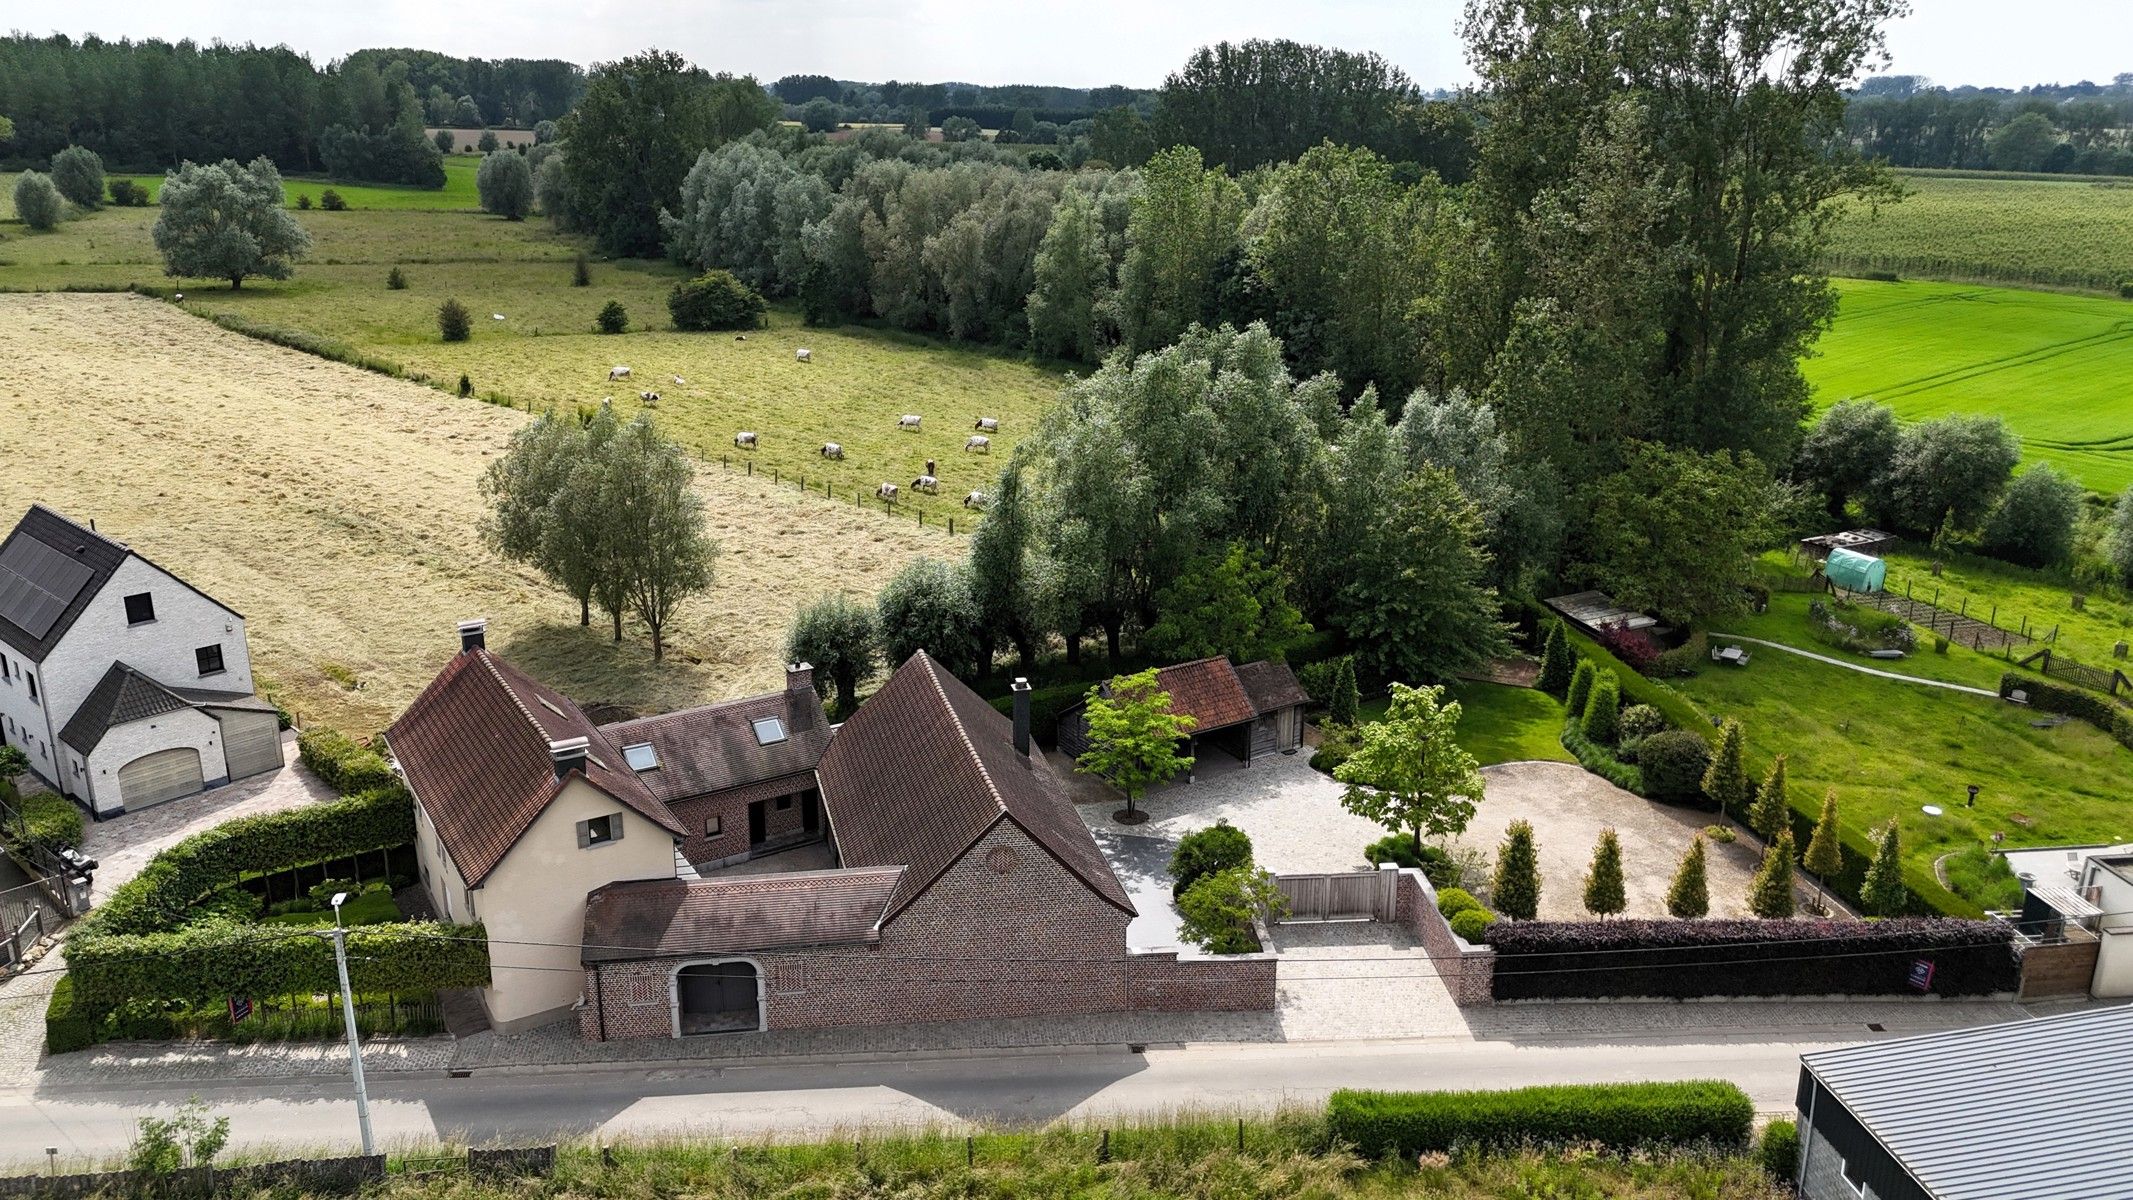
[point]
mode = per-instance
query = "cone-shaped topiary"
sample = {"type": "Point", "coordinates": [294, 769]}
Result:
{"type": "Point", "coordinates": [1344, 705]}
{"type": "Point", "coordinates": [1517, 886]}
{"type": "Point", "coordinates": [1557, 662]}
{"type": "Point", "coordinates": [1581, 681]}
{"type": "Point", "coordinates": [1770, 896]}
{"type": "Point", "coordinates": [1604, 895]}
{"type": "Point", "coordinates": [1690, 894]}
{"type": "Point", "coordinates": [1726, 780]}
{"type": "Point", "coordinates": [1772, 810]}
{"type": "Point", "coordinates": [1883, 893]}
{"type": "Point", "coordinates": [1602, 721]}
{"type": "Point", "coordinates": [1824, 856]}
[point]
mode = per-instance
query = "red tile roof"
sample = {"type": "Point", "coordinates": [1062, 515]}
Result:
{"type": "Point", "coordinates": [925, 769]}
{"type": "Point", "coordinates": [653, 918]}
{"type": "Point", "coordinates": [1207, 690]}
{"type": "Point", "coordinates": [474, 749]}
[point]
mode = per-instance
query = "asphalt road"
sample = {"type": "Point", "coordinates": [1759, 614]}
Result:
{"type": "Point", "coordinates": [798, 1100]}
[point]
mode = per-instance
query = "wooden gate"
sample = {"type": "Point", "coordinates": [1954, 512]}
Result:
{"type": "Point", "coordinates": [1348, 896]}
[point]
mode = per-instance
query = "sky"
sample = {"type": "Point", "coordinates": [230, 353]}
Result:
{"type": "Point", "coordinates": [1085, 43]}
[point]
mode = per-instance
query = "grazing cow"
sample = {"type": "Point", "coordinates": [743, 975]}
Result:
{"type": "Point", "coordinates": [987, 425]}
{"type": "Point", "coordinates": [908, 421]}
{"type": "Point", "coordinates": [650, 399]}
{"type": "Point", "coordinates": [886, 491]}
{"type": "Point", "coordinates": [615, 373]}
{"type": "Point", "coordinates": [833, 450]}
{"type": "Point", "coordinates": [745, 439]}
{"type": "Point", "coordinates": [680, 382]}
{"type": "Point", "coordinates": [976, 499]}
{"type": "Point", "coordinates": [927, 484]}
{"type": "Point", "coordinates": [496, 316]}
{"type": "Point", "coordinates": [804, 355]}
{"type": "Point", "coordinates": [740, 337]}
{"type": "Point", "coordinates": [978, 443]}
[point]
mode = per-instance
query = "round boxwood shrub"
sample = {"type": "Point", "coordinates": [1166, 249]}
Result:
{"type": "Point", "coordinates": [1399, 849]}
{"type": "Point", "coordinates": [1640, 721]}
{"type": "Point", "coordinates": [1204, 852]}
{"type": "Point", "coordinates": [1453, 901]}
{"type": "Point", "coordinates": [715, 300]}
{"type": "Point", "coordinates": [1779, 1150]}
{"type": "Point", "coordinates": [1473, 924]}
{"type": "Point", "coordinates": [1673, 763]}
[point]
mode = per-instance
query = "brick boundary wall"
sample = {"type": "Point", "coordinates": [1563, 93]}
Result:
{"type": "Point", "coordinates": [1468, 970]}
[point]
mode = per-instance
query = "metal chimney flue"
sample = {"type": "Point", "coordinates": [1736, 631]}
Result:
{"type": "Point", "coordinates": [1021, 694]}
{"type": "Point", "coordinates": [569, 755]}
{"type": "Point", "coordinates": [474, 634]}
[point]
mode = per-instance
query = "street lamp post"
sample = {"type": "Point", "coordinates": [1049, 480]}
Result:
{"type": "Point", "coordinates": [348, 1015]}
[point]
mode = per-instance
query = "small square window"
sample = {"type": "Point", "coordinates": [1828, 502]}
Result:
{"type": "Point", "coordinates": [714, 825]}
{"type": "Point", "coordinates": [784, 802]}
{"type": "Point", "coordinates": [769, 731]}
{"type": "Point", "coordinates": [641, 757]}
{"type": "Point", "coordinates": [599, 831]}
{"type": "Point", "coordinates": [140, 608]}
{"type": "Point", "coordinates": [209, 659]}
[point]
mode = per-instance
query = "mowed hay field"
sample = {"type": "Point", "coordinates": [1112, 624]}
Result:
{"type": "Point", "coordinates": [2058, 368]}
{"type": "Point", "coordinates": [545, 351]}
{"type": "Point", "coordinates": [2075, 233]}
{"type": "Point", "coordinates": [337, 510]}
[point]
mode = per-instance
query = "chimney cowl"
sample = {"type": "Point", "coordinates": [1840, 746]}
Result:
{"type": "Point", "coordinates": [1021, 690]}
{"type": "Point", "coordinates": [473, 634]}
{"type": "Point", "coordinates": [569, 754]}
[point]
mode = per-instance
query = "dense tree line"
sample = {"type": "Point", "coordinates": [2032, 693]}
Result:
{"type": "Point", "coordinates": [152, 105]}
{"type": "Point", "coordinates": [2085, 128]}
{"type": "Point", "coordinates": [516, 93]}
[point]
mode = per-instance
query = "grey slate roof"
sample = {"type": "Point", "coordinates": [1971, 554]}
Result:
{"type": "Point", "coordinates": [652, 918]}
{"type": "Point", "coordinates": [50, 568]}
{"type": "Point", "coordinates": [2028, 1110]}
{"type": "Point", "coordinates": [121, 696]}
{"type": "Point", "coordinates": [1272, 686]}
{"type": "Point", "coordinates": [713, 748]}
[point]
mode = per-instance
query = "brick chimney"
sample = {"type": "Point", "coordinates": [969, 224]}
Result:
{"type": "Point", "coordinates": [800, 701]}
{"type": "Point", "coordinates": [569, 755]}
{"type": "Point", "coordinates": [474, 634]}
{"type": "Point", "coordinates": [1021, 693]}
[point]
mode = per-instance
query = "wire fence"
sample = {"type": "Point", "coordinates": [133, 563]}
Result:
{"type": "Point", "coordinates": [889, 503]}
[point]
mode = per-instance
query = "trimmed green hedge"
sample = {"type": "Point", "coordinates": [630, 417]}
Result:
{"type": "Point", "coordinates": [162, 896]}
{"type": "Point", "coordinates": [202, 964]}
{"type": "Point", "coordinates": [1779, 1150]}
{"type": "Point", "coordinates": [2098, 710]}
{"type": "Point", "coordinates": [52, 819]}
{"type": "Point", "coordinates": [1600, 760]}
{"type": "Point", "coordinates": [66, 1029]}
{"type": "Point", "coordinates": [1618, 1116]}
{"type": "Point", "coordinates": [347, 766]}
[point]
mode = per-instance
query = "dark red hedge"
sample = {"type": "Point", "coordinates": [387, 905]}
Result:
{"type": "Point", "coordinates": [1540, 960]}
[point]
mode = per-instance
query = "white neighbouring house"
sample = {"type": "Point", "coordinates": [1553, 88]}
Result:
{"type": "Point", "coordinates": [124, 685]}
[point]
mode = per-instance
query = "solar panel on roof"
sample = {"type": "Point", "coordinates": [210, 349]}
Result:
{"type": "Point", "coordinates": [37, 583]}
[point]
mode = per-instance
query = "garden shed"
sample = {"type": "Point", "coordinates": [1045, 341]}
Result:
{"type": "Point", "coordinates": [1855, 572]}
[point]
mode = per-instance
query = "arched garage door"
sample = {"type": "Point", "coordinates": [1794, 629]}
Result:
{"type": "Point", "coordinates": [164, 775]}
{"type": "Point", "coordinates": [718, 998]}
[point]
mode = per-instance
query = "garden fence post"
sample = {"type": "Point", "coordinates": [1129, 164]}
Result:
{"type": "Point", "coordinates": [1103, 1147]}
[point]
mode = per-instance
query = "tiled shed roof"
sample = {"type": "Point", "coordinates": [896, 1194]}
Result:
{"type": "Point", "coordinates": [1207, 690]}
{"type": "Point", "coordinates": [474, 748]}
{"type": "Point", "coordinates": [713, 748]}
{"type": "Point", "coordinates": [1271, 686]}
{"type": "Point", "coordinates": [925, 768]}
{"type": "Point", "coordinates": [654, 918]}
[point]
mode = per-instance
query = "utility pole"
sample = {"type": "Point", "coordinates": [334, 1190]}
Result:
{"type": "Point", "coordinates": [348, 1015]}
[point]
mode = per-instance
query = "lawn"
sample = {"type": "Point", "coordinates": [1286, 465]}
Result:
{"type": "Point", "coordinates": [457, 193]}
{"type": "Point", "coordinates": [2013, 597]}
{"type": "Point", "coordinates": [2051, 365]}
{"type": "Point", "coordinates": [371, 908]}
{"type": "Point", "coordinates": [1787, 621]}
{"type": "Point", "coordinates": [1498, 723]}
{"type": "Point", "coordinates": [1890, 747]}
{"type": "Point", "coordinates": [337, 510]}
{"type": "Point", "coordinates": [545, 351]}
{"type": "Point", "coordinates": [2046, 232]}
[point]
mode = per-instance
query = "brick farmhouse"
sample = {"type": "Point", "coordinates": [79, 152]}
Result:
{"type": "Point", "coordinates": [943, 872]}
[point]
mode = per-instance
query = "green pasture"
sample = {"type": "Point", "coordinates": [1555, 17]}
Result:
{"type": "Point", "coordinates": [2054, 366]}
{"type": "Point", "coordinates": [457, 193]}
{"type": "Point", "coordinates": [2037, 231]}
{"type": "Point", "coordinates": [544, 351]}
{"type": "Point", "coordinates": [2011, 596]}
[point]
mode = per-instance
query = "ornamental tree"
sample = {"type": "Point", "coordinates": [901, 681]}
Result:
{"type": "Point", "coordinates": [1883, 893]}
{"type": "Point", "coordinates": [1772, 810]}
{"type": "Point", "coordinates": [1726, 780]}
{"type": "Point", "coordinates": [1824, 856]}
{"type": "Point", "coordinates": [1516, 889]}
{"type": "Point", "coordinates": [1604, 892]}
{"type": "Point", "coordinates": [1558, 660]}
{"type": "Point", "coordinates": [1770, 896]}
{"type": "Point", "coordinates": [1689, 895]}
{"type": "Point", "coordinates": [1580, 688]}
{"type": "Point", "coordinates": [1408, 771]}
{"type": "Point", "coordinates": [1216, 912]}
{"type": "Point", "coordinates": [1133, 737]}
{"type": "Point", "coordinates": [225, 221]}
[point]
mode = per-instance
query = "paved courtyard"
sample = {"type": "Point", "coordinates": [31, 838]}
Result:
{"type": "Point", "coordinates": [1568, 807]}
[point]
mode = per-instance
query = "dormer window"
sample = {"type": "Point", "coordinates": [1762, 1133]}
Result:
{"type": "Point", "coordinates": [140, 608]}
{"type": "Point", "coordinates": [641, 757]}
{"type": "Point", "coordinates": [769, 731]}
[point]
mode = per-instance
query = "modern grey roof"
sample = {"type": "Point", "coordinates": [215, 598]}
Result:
{"type": "Point", "coordinates": [50, 568]}
{"type": "Point", "coordinates": [2028, 1110]}
{"type": "Point", "coordinates": [121, 696]}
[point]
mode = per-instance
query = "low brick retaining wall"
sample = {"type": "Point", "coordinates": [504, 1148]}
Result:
{"type": "Point", "coordinates": [1469, 971]}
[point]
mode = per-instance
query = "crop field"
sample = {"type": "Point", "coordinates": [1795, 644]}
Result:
{"type": "Point", "coordinates": [2054, 366]}
{"type": "Point", "coordinates": [2072, 233]}
{"type": "Point", "coordinates": [337, 510]}
{"type": "Point", "coordinates": [544, 350]}
{"type": "Point", "coordinates": [457, 193]}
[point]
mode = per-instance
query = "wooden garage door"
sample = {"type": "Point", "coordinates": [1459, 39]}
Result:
{"type": "Point", "coordinates": [164, 775]}
{"type": "Point", "coordinates": [251, 741]}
